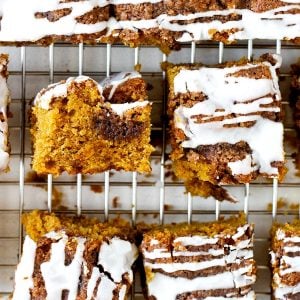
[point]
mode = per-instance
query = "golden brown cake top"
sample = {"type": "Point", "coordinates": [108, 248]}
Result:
{"type": "Point", "coordinates": [174, 69]}
{"type": "Point", "coordinates": [38, 223]}
{"type": "Point", "coordinates": [288, 229]}
{"type": "Point", "coordinates": [221, 227]}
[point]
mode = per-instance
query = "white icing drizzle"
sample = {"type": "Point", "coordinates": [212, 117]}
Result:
{"type": "Point", "coordinates": [242, 244]}
{"type": "Point", "coordinates": [291, 1]}
{"type": "Point", "coordinates": [264, 25]}
{"type": "Point", "coordinates": [120, 109]}
{"type": "Point", "coordinates": [234, 255]}
{"type": "Point", "coordinates": [23, 276]}
{"type": "Point", "coordinates": [117, 257]}
{"type": "Point", "coordinates": [122, 292]}
{"type": "Point", "coordinates": [20, 24]}
{"type": "Point", "coordinates": [157, 253]}
{"type": "Point", "coordinates": [195, 240]}
{"type": "Point", "coordinates": [154, 242]}
{"type": "Point", "coordinates": [56, 235]}
{"type": "Point", "coordinates": [44, 98]}
{"type": "Point", "coordinates": [280, 235]}
{"type": "Point", "coordinates": [213, 252]}
{"type": "Point", "coordinates": [4, 102]}
{"type": "Point", "coordinates": [59, 277]}
{"type": "Point", "coordinates": [288, 249]}
{"type": "Point", "coordinates": [242, 167]}
{"type": "Point", "coordinates": [167, 288]}
{"type": "Point", "coordinates": [105, 289]}
{"type": "Point", "coordinates": [281, 291]}
{"type": "Point", "coordinates": [240, 232]}
{"type": "Point", "coordinates": [92, 283]}
{"type": "Point", "coordinates": [164, 287]}
{"type": "Point", "coordinates": [268, 25]}
{"type": "Point", "coordinates": [248, 296]}
{"type": "Point", "coordinates": [285, 264]}
{"type": "Point", "coordinates": [191, 266]}
{"type": "Point", "coordinates": [226, 95]}
{"type": "Point", "coordinates": [116, 80]}
{"type": "Point", "coordinates": [293, 264]}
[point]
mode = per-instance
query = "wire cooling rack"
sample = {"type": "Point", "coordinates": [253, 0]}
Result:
{"type": "Point", "coordinates": [156, 198]}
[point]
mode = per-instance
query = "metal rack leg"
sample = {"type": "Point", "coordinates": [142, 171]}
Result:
{"type": "Point", "coordinates": [134, 174]}
{"type": "Point", "coordinates": [218, 203]}
{"type": "Point", "coordinates": [246, 199]}
{"type": "Point", "coordinates": [106, 174]}
{"type": "Point", "coordinates": [189, 208]}
{"type": "Point", "coordinates": [221, 56]}
{"type": "Point", "coordinates": [247, 185]}
{"type": "Point", "coordinates": [51, 79]}
{"type": "Point", "coordinates": [221, 52]}
{"type": "Point", "coordinates": [275, 180]}
{"type": "Point", "coordinates": [79, 176]}
{"type": "Point", "coordinates": [278, 46]}
{"type": "Point", "coordinates": [250, 49]}
{"type": "Point", "coordinates": [193, 52]}
{"type": "Point", "coordinates": [49, 192]}
{"type": "Point", "coordinates": [274, 198]}
{"type": "Point", "coordinates": [22, 142]}
{"type": "Point", "coordinates": [163, 150]}
{"type": "Point", "coordinates": [189, 195]}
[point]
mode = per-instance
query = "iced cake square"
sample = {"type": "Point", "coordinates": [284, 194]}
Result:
{"type": "Point", "coordinates": [212, 260]}
{"type": "Point", "coordinates": [226, 121]}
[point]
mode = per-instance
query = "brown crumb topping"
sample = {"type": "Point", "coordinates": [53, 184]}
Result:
{"type": "Point", "coordinates": [54, 15]}
{"type": "Point", "coordinates": [113, 127]}
{"type": "Point", "coordinates": [96, 15]}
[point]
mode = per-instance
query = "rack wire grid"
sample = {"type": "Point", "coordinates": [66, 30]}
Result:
{"type": "Point", "coordinates": [157, 197]}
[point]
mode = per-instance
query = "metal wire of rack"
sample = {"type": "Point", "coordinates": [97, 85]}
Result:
{"type": "Point", "coordinates": [160, 182]}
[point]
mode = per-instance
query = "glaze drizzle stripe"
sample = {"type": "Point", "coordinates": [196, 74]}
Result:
{"type": "Point", "coordinates": [233, 267]}
{"type": "Point", "coordinates": [59, 277]}
{"type": "Point", "coordinates": [158, 285]}
{"type": "Point", "coordinates": [272, 24]}
{"type": "Point", "coordinates": [60, 90]}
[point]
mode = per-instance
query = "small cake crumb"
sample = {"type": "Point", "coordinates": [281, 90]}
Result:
{"type": "Point", "coordinates": [96, 188]}
{"type": "Point", "coordinates": [116, 202]}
